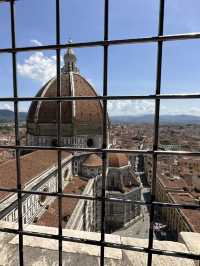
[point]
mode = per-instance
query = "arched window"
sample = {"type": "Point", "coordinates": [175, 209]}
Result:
{"type": "Point", "coordinates": [42, 198]}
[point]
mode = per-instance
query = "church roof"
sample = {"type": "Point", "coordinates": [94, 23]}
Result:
{"type": "Point", "coordinates": [93, 160]}
{"type": "Point", "coordinates": [117, 159]}
{"type": "Point", "coordinates": [114, 160]}
{"type": "Point", "coordinates": [31, 165]}
{"type": "Point", "coordinates": [72, 84]}
{"type": "Point", "coordinates": [50, 217]}
{"type": "Point", "coordinates": [80, 111]}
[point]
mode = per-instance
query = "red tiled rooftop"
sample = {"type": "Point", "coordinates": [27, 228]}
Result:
{"type": "Point", "coordinates": [93, 160]}
{"type": "Point", "coordinates": [117, 159]}
{"type": "Point", "coordinates": [50, 217]}
{"type": "Point", "coordinates": [191, 216]}
{"type": "Point", "coordinates": [170, 183]}
{"type": "Point", "coordinates": [31, 165]}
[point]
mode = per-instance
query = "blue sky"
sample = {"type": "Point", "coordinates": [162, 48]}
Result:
{"type": "Point", "coordinates": [132, 68]}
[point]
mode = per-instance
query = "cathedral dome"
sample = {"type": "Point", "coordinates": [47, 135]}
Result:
{"type": "Point", "coordinates": [72, 84]}
{"type": "Point", "coordinates": [117, 160]}
{"type": "Point", "coordinates": [93, 160]}
{"type": "Point", "coordinates": [81, 118]}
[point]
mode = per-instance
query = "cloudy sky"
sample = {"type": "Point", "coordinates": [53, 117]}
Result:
{"type": "Point", "coordinates": [132, 68]}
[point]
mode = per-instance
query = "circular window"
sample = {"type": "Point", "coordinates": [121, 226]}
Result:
{"type": "Point", "coordinates": [54, 142]}
{"type": "Point", "coordinates": [90, 142]}
{"type": "Point", "coordinates": [43, 197]}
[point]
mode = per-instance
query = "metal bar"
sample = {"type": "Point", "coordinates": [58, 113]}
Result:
{"type": "Point", "coordinates": [106, 244]}
{"type": "Point", "coordinates": [111, 199]}
{"type": "Point", "coordinates": [105, 126]}
{"type": "Point", "coordinates": [148, 39]}
{"type": "Point", "coordinates": [17, 137]}
{"type": "Point", "coordinates": [155, 152]}
{"type": "Point", "coordinates": [109, 98]}
{"type": "Point", "coordinates": [98, 150]}
{"type": "Point", "coordinates": [2, 1]}
{"type": "Point", "coordinates": [59, 121]}
{"type": "Point", "coordinates": [156, 128]}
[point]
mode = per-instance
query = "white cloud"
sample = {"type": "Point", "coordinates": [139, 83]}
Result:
{"type": "Point", "coordinates": [7, 106]}
{"type": "Point", "coordinates": [142, 107]}
{"type": "Point", "coordinates": [195, 111]}
{"type": "Point", "coordinates": [38, 67]}
{"type": "Point", "coordinates": [36, 42]}
{"type": "Point", "coordinates": [130, 107]}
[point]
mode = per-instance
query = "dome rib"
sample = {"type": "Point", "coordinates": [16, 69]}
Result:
{"type": "Point", "coordinates": [92, 160]}
{"type": "Point", "coordinates": [86, 112]}
{"type": "Point", "coordinates": [40, 102]}
{"type": "Point", "coordinates": [117, 159]}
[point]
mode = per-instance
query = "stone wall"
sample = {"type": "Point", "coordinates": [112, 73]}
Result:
{"type": "Point", "coordinates": [192, 242]}
{"type": "Point", "coordinates": [43, 252]}
{"type": "Point", "coordinates": [83, 217]}
{"type": "Point", "coordinates": [33, 206]}
{"type": "Point", "coordinates": [117, 213]}
{"type": "Point", "coordinates": [79, 141]}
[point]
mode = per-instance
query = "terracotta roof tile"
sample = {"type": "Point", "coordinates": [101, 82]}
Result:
{"type": "Point", "coordinates": [93, 160]}
{"type": "Point", "coordinates": [191, 216]}
{"type": "Point", "coordinates": [50, 217]}
{"type": "Point", "coordinates": [32, 165]}
{"type": "Point", "coordinates": [46, 112]}
{"type": "Point", "coordinates": [117, 159]}
{"type": "Point", "coordinates": [170, 183]}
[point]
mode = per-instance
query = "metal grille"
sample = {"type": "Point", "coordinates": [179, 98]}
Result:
{"type": "Point", "coordinates": [157, 96]}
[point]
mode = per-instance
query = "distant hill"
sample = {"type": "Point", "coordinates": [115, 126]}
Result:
{"type": "Point", "coordinates": [8, 115]}
{"type": "Point", "coordinates": [164, 119]}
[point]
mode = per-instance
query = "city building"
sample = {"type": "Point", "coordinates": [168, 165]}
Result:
{"type": "Point", "coordinates": [174, 189]}
{"type": "Point", "coordinates": [81, 121]}
{"type": "Point", "coordinates": [81, 171]}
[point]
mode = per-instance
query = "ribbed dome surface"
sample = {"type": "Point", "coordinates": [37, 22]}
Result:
{"type": "Point", "coordinates": [93, 160]}
{"type": "Point", "coordinates": [117, 159]}
{"type": "Point", "coordinates": [84, 110]}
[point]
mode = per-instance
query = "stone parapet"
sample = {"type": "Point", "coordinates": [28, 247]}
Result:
{"type": "Point", "coordinates": [192, 242]}
{"type": "Point", "coordinates": [40, 251]}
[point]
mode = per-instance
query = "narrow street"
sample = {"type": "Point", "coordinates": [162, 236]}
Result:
{"type": "Point", "coordinates": [138, 230]}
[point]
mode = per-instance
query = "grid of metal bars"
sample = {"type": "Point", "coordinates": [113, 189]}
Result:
{"type": "Point", "coordinates": [105, 43]}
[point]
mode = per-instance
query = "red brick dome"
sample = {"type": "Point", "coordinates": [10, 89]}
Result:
{"type": "Point", "coordinates": [92, 160]}
{"type": "Point", "coordinates": [117, 159]}
{"type": "Point", "coordinates": [81, 120]}
{"type": "Point", "coordinates": [72, 84]}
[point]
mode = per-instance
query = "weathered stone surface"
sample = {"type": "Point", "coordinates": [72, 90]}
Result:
{"type": "Point", "coordinates": [133, 258]}
{"type": "Point", "coordinates": [192, 242]}
{"type": "Point", "coordinates": [8, 253]}
{"type": "Point", "coordinates": [44, 252]}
